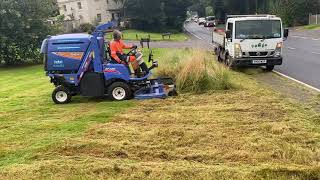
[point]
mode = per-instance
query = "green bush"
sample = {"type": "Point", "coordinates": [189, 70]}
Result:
{"type": "Point", "coordinates": [87, 27]}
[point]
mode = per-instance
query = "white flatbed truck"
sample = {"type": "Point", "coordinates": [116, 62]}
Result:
{"type": "Point", "coordinates": [251, 40]}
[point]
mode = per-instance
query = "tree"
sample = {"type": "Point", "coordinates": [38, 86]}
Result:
{"type": "Point", "coordinates": [209, 11]}
{"type": "Point", "coordinates": [292, 12]}
{"type": "Point", "coordinates": [23, 27]}
{"type": "Point", "coordinates": [157, 15]}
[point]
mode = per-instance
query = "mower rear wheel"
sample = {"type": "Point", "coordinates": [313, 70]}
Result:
{"type": "Point", "coordinates": [119, 91]}
{"type": "Point", "coordinates": [61, 95]}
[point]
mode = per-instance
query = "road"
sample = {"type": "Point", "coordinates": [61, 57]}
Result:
{"type": "Point", "coordinates": [301, 53]}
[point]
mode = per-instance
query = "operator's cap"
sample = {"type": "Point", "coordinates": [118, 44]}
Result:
{"type": "Point", "coordinates": [117, 35]}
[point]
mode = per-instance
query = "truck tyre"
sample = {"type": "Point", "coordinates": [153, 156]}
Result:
{"type": "Point", "coordinates": [119, 91]}
{"type": "Point", "coordinates": [269, 68]}
{"type": "Point", "coordinates": [217, 52]}
{"type": "Point", "coordinates": [220, 60]}
{"type": "Point", "coordinates": [61, 95]}
{"type": "Point", "coordinates": [228, 62]}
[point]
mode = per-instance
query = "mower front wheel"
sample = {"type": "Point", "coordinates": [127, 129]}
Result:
{"type": "Point", "coordinates": [61, 95]}
{"type": "Point", "coordinates": [119, 91]}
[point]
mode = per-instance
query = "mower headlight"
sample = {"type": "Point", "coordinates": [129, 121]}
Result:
{"type": "Point", "coordinates": [277, 52]}
{"type": "Point", "coordinates": [237, 50]}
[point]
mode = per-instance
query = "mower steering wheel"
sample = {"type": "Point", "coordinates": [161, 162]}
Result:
{"type": "Point", "coordinates": [132, 52]}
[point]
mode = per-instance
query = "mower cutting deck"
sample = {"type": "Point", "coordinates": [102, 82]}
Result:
{"type": "Point", "coordinates": [78, 64]}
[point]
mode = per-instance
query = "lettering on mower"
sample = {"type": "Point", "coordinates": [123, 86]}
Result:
{"type": "Point", "coordinates": [58, 63]}
{"type": "Point", "coordinates": [111, 70]}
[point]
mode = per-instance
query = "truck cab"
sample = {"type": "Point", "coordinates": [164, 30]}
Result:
{"type": "Point", "coordinates": [253, 40]}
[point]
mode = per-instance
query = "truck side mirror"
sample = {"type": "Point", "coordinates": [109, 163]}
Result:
{"type": "Point", "coordinates": [228, 34]}
{"type": "Point", "coordinates": [285, 32]}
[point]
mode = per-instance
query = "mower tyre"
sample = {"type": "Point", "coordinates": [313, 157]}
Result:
{"type": "Point", "coordinates": [119, 91]}
{"type": "Point", "coordinates": [61, 95]}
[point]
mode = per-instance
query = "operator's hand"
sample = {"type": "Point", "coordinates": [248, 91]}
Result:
{"type": "Point", "coordinates": [124, 63]}
{"type": "Point", "coordinates": [134, 47]}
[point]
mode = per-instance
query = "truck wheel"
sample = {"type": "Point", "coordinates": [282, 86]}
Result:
{"type": "Point", "coordinates": [119, 91]}
{"type": "Point", "coordinates": [269, 68]}
{"type": "Point", "coordinates": [228, 62]}
{"type": "Point", "coordinates": [219, 58]}
{"type": "Point", "coordinates": [61, 95]}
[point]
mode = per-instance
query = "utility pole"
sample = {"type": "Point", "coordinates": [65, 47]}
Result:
{"type": "Point", "coordinates": [256, 6]}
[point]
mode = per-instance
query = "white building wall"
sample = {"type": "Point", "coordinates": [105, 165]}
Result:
{"type": "Point", "coordinates": [90, 9]}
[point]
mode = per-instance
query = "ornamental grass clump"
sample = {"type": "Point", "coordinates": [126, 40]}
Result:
{"type": "Point", "coordinates": [195, 71]}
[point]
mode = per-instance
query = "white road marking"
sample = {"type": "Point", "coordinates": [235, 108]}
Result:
{"type": "Point", "coordinates": [297, 81]}
{"type": "Point", "coordinates": [300, 37]}
{"type": "Point", "coordinates": [213, 45]}
{"type": "Point", "coordinates": [315, 53]}
{"type": "Point", "coordinates": [195, 35]}
{"type": "Point", "coordinates": [292, 48]}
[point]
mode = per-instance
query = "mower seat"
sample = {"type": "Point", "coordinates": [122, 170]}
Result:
{"type": "Point", "coordinates": [109, 58]}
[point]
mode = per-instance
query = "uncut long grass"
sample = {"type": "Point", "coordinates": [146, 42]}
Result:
{"type": "Point", "coordinates": [195, 71]}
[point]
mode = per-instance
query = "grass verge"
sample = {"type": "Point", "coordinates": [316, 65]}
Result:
{"type": "Point", "coordinates": [132, 35]}
{"type": "Point", "coordinates": [312, 26]}
{"type": "Point", "coordinates": [195, 71]}
{"type": "Point", "coordinates": [246, 133]}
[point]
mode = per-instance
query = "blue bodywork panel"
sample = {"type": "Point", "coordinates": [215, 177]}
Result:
{"type": "Point", "coordinates": [116, 71]}
{"type": "Point", "coordinates": [70, 45]}
{"type": "Point", "coordinates": [156, 90]}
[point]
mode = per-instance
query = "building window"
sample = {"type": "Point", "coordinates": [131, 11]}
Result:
{"type": "Point", "coordinates": [64, 7]}
{"type": "Point", "coordinates": [99, 17]}
{"type": "Point", "coordinates": [112, 16]}
{"type": "Point", "coordinates": [79, 5]}
{"type": "Point", "coordinates": [107, 1]}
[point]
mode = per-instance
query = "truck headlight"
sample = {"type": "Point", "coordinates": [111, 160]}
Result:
{"type": "Point", "coordinates": [237, 50]}
{"type": "Point", "coordinates": [277, 52]}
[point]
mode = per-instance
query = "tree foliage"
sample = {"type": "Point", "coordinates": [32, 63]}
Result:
{"type": "Point", "coordinates": [22, 28]}
{"type": "Point", "coordinates": [293, 12]}
{"type": "Point", "coordinates": [156, 15]}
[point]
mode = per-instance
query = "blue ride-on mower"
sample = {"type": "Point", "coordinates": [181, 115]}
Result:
{"type": "Point", "coordinates": [80, 64]}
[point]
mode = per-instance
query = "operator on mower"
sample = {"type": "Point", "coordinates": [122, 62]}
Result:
{"type": "Point", "coordinates": [116, 48]}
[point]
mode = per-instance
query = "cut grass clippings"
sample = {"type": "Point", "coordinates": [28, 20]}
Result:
{"type": "Point", "coordinates": [246, 133]}
{"type": "Point", "coordinates": [31, 123]}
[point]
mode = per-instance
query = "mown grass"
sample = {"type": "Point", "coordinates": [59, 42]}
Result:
{"type": "Point", "coordinates": [245, 133]}
{"type": "Point", "coordinates": [31, 123]}
{"type": "Point", "coordinates": [132, 35]}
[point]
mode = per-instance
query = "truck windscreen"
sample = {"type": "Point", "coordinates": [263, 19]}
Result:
{"type": "Point", "coordinates": [258, 29]}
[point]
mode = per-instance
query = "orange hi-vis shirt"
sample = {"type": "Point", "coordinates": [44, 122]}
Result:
{"type": "Point", "coordinates": [117, 47]}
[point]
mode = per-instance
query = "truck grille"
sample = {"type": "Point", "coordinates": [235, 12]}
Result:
{"type": "Point", "coordinates": [265, 53]}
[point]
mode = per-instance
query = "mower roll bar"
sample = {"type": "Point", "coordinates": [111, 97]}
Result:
{"type": "Point", "coordinates": [99, 31]}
